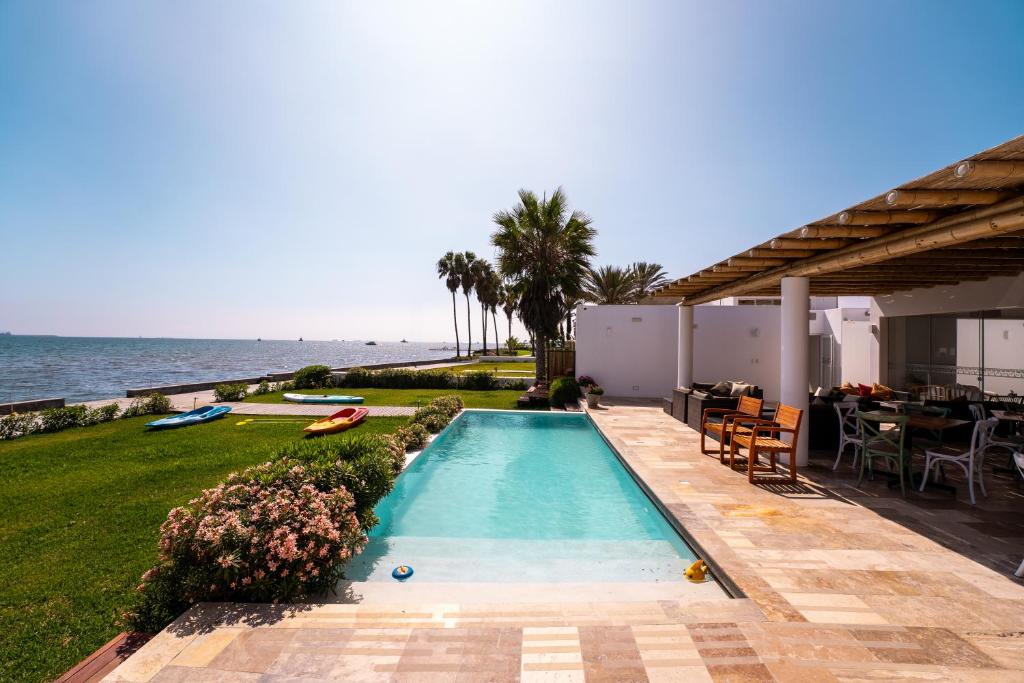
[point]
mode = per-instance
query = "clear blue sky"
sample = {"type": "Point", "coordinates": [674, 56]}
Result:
{"type": "Point", "coordinates": [242, 169]}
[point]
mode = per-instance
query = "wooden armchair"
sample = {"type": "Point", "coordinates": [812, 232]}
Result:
{"type": "Point", "coordinates": [748, 407]}
{"type": "Point", "coordinates": [762, 437]}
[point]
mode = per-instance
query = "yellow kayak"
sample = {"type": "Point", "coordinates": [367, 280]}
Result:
{"type": "Point", "coordinates": [339, 422]}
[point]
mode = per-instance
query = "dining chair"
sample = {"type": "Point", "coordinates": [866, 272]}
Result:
{"type": "Point", "coordinates": [849, 431]}
{"type": "Point", "coordinates": [883, 436]}
{"type": "Point", "coordinates": [977, 411]}
{"type": "Point", "coordinates": [1018, 460]}
{"type": "Point", "coordinates": [970, 461]}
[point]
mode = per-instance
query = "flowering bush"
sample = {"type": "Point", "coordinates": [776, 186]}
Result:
{"type": "Point", "coordinates": [450, 404]}
{"type": "Point", "coordinates": [413, 437]}
{"type": "Point", "coordinates": [586, 381]}
{"type": "Point", "coordinates": [252, 538]}
{"type": "Point", "coordinates": [58, 419]}
{"type": "Point", "coordinates": [101, 414]}
{"type": "Point", "coordinates": [363, 465]}
{"type": "Point", "coordinates": [433, 419]}
{"type": "Point", "coordinates": [17, 424]}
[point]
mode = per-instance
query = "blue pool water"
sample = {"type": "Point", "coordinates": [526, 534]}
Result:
{"type": "Point", "coordinates": [524, 497]}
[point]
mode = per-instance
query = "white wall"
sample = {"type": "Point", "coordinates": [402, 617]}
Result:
{"type": "Point", "coordinates": [629, 350]}
{"type": "Point", "coordinates": [738, 343]}
{"type": "Point", "coordinates": [631, 357]}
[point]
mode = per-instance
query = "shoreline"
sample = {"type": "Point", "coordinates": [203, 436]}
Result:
{"type": "Point", "coordinates": [32, 405]}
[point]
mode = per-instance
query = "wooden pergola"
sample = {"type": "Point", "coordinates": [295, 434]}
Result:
{"type": "Point", "coordinates": [963, 222]}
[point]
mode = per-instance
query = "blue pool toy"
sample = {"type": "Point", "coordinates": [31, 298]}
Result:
{"type": "Point", "coordinates": [402, 572]}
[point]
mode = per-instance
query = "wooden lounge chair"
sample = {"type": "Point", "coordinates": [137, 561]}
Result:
{"type": "Point", "coordinates": [762, 437]}
{"type": "Point", "coordinates": [748, 407]}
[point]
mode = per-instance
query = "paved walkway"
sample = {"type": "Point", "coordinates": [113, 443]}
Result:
{"type": "Point", "coordinates": [835, 592]}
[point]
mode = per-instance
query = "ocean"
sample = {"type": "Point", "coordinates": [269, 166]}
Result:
{"type": "Point", "coordinates": [89, 368]}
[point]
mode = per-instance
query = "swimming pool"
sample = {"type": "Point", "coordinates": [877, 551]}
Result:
{"type": "Point", "coordinates": [520, 497]}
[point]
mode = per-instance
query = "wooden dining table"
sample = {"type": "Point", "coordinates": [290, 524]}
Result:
{"type": "Point", "coordinates": [934, 423]}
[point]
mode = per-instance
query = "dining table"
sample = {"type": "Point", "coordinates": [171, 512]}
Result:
{"type": "Point", "coordinates": [933, 423]}
{"type": "Point", "coordinates": [1016, 420]}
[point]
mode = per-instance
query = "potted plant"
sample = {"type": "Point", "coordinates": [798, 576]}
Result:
{"type": "Point", "coordinates": [594, 394]}
{"type": "Point", "coordinates": [585, 382]}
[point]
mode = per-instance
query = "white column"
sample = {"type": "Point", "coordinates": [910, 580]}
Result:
{"type": "Point", "coordinates": [796, 304]}
{"type": "Point", "coordinates": [684, 364]}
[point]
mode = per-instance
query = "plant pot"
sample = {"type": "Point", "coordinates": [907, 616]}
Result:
{"type": "Point", "coordinates": [592, 400]}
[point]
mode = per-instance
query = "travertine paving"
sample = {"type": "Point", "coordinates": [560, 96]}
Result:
{"type": "Point", "coordinates": [836, 591]}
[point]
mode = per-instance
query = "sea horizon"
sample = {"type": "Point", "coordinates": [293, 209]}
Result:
{"type": "Point", "coordinates": [83, 368]}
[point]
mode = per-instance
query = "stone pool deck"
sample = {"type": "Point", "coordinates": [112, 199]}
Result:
{"type": "Point", "coordinates": [842, 584]}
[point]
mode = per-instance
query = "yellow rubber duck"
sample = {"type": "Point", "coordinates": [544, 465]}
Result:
{"type": "Point", "coordinates": [696, 572]}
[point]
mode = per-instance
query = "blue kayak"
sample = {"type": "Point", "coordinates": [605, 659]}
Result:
{"type": "Point", "coordinates": [192, 417]}
{"type": "Point", "coordinates": [321, 398]}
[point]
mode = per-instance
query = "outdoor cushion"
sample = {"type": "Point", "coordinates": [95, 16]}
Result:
{"type": "Point", "coordinates": [722, 389]}
{"type": "Point", "coordinates": [740, 389]}
{"type": "Point", "coordinates": [864, 390]}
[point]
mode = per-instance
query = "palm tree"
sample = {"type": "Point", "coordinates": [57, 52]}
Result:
{"type": "Point", "coordinates": [546, 251]}
{"type": "Point", "coordinates": [468, 280]}
{"type": "Point", "coordinates": [449, 268]}
{"type": "Point", "coordinates": [482, 277]}
{"type": "Point", "coordinates": [610, 285]}
{"type": "Point", "coordinates": [570, 309]}
{"type": "Point", "coordinates": [509, 303]}
{"type": "Point", "coordinates": [648, 277]}
{"type": "Point", "coordinates": [495, 295]}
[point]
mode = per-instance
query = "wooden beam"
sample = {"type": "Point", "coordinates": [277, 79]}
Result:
{"type": "Point", "coordinates": [761, 252]}
{"type": "Point", "coordinates": [761, 262]}
{"type": "Point", "coordinates": [796, 243]}
{"type": "Point", "coordinates": [963, 227]}
{"type": "Point", "coordinates": [886, 217]}
{"type": "Point", "coordinates": [843, 231]}
{"type": "Point", "coordinates": [905, 199]}
{"type": "Point", "coordinates": [989, 170]}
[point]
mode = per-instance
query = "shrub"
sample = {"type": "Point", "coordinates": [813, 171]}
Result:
{"type": "Point", "coordinates": [479, 380]}
{"type": "Point", "coordinates": [597, 391]}
{"type": "Point", "coordinates": [57, 419]}
{"type": "Point", "coordinates": [153, 404]}
{"type": "Point", "coordinates": [413, 437]}
{"type": "Point", "coordinates": [363, 464]}
{"type": "Point", "coordinates": [262, 388]}
{"type": "Point", "coordinates": [102, 414]}
{"type": "Point", "coordinates": [253, 538]}
{"type": "Point", "coordinates": [433, 419]}
{"type": "Point", "coordinates": [312, 377]}
{"type": "Point", "coordinates": [283, 386]}
{"type": "Point", "coordinates": [585, 380]}
{"type": "Point", "coordinates": [450, 404]}
{"type": "Point", "coordinates": [231, 392]}
{"type": "Point", "coordinates": [399, 378]}
{"type": "Point", "coordinates": [17, 424]}
{"type": "Point", "coordinates": [563, 390]}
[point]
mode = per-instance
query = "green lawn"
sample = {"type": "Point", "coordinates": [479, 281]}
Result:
{"type": "Point", "coordinates": [502, 369]}
{"type": "Point", "coordinates": [498, 398]}
{"type": "Point", "coordinates": [80, 513]}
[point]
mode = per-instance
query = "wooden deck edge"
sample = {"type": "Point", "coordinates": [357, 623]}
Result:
{"type": "Point", "coordinates": [104, 660]}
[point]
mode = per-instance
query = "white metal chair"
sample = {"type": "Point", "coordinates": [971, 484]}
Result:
{"type": "Point", "coordinates": [1018, 460]}
{"type": "Point", "coordinates": [849, 431]}
{"type": "Point", "coordinates": [969, 461]}
{"type": "Point", "coordinates": [977, 411]}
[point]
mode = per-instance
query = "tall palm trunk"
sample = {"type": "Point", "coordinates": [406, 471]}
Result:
{"type": "Point", "coordinates": [469, 330]}
{"type": "Point", "coordinates": [497, 342]}
{"type": "Point", "coordinates": [483, 326]}
{"type": "Point", "coordinates": [455, 317]}
{"type": "Point", "coordinates": [510, 333]}
{"type": "Point", "coordinates": [542, 357]}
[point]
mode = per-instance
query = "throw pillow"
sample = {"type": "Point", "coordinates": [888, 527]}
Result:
{"type": "Point", "coordinates": [740, 389]}
{"type": "Point", "coordinates": [722, 389]}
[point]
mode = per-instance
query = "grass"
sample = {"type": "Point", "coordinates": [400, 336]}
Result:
{"type": "Point", "coordinates": [502, 369]}
{"type": "Point", "coordinates": [497, 398]}
{"type": "Point", "coordinates": [79, 523]}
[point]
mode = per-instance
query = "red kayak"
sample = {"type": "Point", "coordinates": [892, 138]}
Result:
{"type": "Point", "coordinates": [345, 418]}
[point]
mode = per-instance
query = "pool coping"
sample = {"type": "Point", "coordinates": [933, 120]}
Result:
{"type": "Point", "coordinates": [727, 584]}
